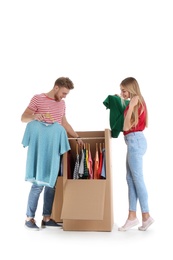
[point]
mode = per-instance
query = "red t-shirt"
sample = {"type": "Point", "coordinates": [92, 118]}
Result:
{"type": "Point", "coordinates": [141, 123]}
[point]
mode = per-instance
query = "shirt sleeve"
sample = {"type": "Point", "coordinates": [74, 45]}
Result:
{"type": "Point", "coordinates": [64, 144]}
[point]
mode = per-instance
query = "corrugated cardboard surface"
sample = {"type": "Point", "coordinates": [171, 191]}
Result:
{"type": "Point", "coordinates": [104, 224]}
{"type": "Point", "coordinates": [84, 200]}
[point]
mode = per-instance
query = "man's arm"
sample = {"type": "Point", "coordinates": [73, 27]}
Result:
{"type": "Point", "coordinates": [70, 130]}
{"type": "Point", "coordinates": [28, 115]}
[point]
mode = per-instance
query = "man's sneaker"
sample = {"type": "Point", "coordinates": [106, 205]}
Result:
{"type": "Point", "coordinates": [49, 224]}
{"type": "Point", "coordinates": [30, 224]}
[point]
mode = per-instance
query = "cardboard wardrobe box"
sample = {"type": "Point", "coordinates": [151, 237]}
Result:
{"type": "Point", "coordinates": [87, 203]}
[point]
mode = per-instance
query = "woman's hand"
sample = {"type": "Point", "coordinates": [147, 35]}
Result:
{"type": "Point", "coordinates": [134, 101]}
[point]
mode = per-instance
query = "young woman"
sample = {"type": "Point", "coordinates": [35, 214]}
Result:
{"type": "Point", "coordinates": [135, 121]}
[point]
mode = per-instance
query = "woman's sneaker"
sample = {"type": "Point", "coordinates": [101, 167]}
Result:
{"type": "Point", "coordinates": [30, 224]}
{"type": "Point", "coordinates": [129, 224]}
{"type": "Point", "coordinates": [146, 224]}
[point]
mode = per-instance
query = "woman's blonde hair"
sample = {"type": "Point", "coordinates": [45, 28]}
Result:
{"type": "Point", "coordinates": [131, 85]}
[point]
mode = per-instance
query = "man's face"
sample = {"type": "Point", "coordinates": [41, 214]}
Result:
{"type": "Point", "coordinates": [60, 93]}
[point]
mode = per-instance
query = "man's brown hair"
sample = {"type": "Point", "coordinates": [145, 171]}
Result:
{"type": "Point", "coordinates": [64, 82]}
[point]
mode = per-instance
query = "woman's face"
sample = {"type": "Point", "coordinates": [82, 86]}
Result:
{"type": "Point", "coordinates": [124, 93]}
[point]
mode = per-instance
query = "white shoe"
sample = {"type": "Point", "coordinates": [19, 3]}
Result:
{"type": "Point", "coordinates": [129, 224]}
{"type": "Point", "coordinates": [146, 224]}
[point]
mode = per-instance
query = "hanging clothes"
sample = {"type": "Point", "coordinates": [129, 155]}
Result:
{"type": "Point", "coordinates": [86, 172]}
{"type": "Point", "coordinates": [46, 143]}
{"type": "Point", "coordinates": [76, 168]}
{"type": "Point", "coordinates": [100, 162]}
{"type": "Point", "coordinates": [81, 166]}
{"type": "Point", "coordinates": [96, 163]}
{"type": "Point", "coordinates": [84, 167]}
{"type": "Point", "coordinates": [77, 164]}
{"type": "Point", "coordinates": [90, 164]}
{"type": "Point", "coordinates": [103, 169]}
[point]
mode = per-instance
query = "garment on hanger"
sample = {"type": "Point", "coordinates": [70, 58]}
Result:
{"type": "Point", "coordinates": [116, 116]}
{"type": "Point", "coordinates": [86, 172]}
{"type": "Point", "coordinates": [81, 165]}
{"type": "Point", "coordinates": [100, 161]}
{"type": "Point", "coordinates": [103, 169]}
{"type": "Point", "coordinates": [77, 164]}
{"type": "Point", "coordinates": [46, 143]}
{"type": "Point", "coordinates": [96, 163]}
{"type": "Point", "coordinates": [90, 163]}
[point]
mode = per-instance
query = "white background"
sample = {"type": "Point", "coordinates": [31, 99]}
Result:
{"type": "Point", "coordinates": [96, 43]}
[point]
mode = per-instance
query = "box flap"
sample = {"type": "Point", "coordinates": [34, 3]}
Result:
{"type": "Point", "coordinates": [83, 199]}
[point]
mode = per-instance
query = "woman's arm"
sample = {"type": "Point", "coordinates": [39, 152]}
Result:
{"type": "Point", "coordinates": [127, 119]}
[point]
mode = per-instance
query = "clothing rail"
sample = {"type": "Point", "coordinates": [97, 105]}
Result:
{"type": "Point", "coordinates": [86, 138]}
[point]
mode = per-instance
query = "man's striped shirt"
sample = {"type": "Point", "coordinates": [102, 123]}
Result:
{"type": "Point", "coordinates": [52, 110]}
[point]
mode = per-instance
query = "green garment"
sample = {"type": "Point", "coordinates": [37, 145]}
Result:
{"type": "Point", "coordinates": [116, 116]}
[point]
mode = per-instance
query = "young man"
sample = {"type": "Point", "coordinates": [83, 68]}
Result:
{"type": "Point", "coordinates": [47, 108]}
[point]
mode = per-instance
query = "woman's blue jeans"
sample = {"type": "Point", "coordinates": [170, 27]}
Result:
{"type": "Point", "coordinates": [33, 198]}
{"type": "Point", "coordinates": [136, 148]}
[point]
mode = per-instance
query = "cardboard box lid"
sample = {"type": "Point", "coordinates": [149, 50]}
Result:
{"type": "Point", "coordinates": [84, 199]}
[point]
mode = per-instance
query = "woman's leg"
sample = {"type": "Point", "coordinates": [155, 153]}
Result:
{"type": "Point", "coordinates": [136, 148]}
